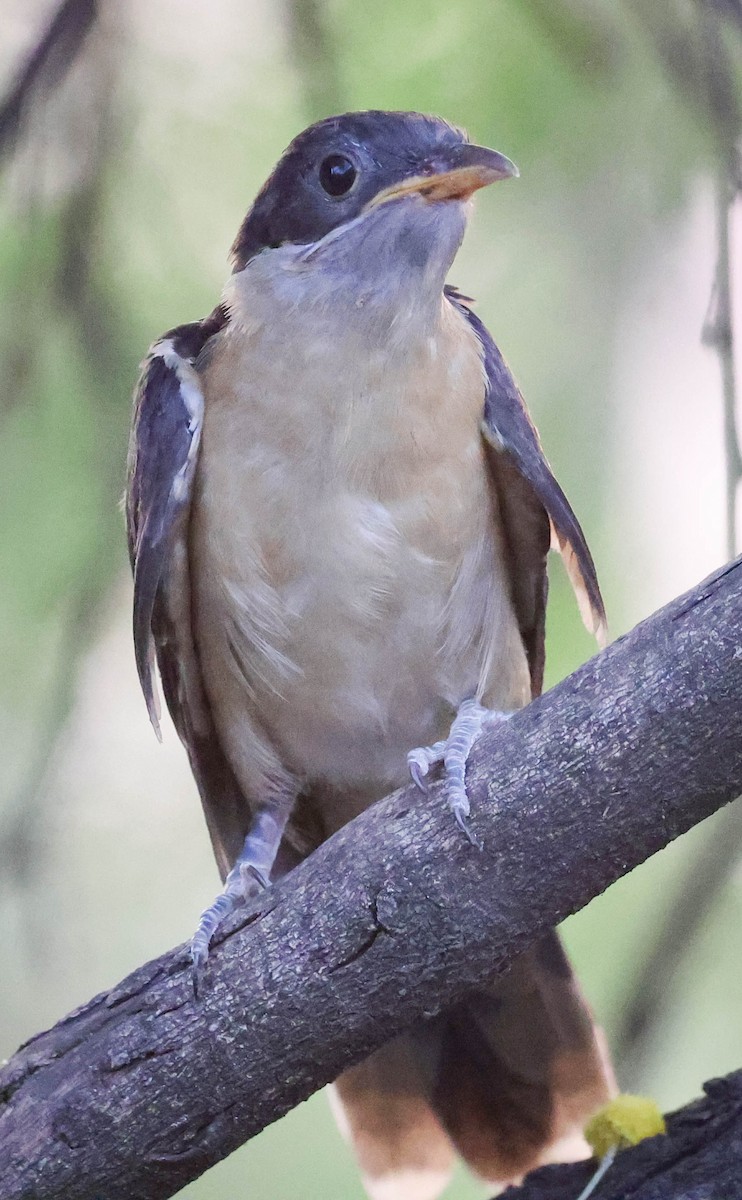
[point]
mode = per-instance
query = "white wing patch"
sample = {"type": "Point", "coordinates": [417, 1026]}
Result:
{"type": "Point", "coordinates": [190, 390]}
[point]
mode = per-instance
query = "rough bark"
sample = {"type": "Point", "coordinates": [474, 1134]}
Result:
{"type": "Point", "coordinates": [146, 1086]}
{"type": "Point", "coordinates": [700, 1158]}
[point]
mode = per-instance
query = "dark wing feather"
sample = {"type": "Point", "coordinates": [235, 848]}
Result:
{"type": "Point", "coordinates": [525, 485]}
{"type": "Point", "coordinates": [163, 453]}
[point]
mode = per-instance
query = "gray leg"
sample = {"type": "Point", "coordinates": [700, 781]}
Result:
{"type": "Point", "coordinates": [249, 875]}
{"type": "Point", "coordinates": [466, 727]}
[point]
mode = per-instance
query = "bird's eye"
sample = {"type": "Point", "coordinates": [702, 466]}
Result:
{"type": "Point", "coordinates": [337, 174]}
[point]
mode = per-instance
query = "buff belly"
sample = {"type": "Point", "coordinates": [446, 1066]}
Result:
{"type": "Point", "coordinates": [350, 580]}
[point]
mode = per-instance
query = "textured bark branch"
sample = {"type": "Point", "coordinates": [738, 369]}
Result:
{"type": "Point", "coordinates": [396, 916]}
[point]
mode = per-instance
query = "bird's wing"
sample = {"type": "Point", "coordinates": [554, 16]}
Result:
{"type": "Point", "coordinates": [163, 453]}
{"type": "Point", "coordinates": [532, 504]}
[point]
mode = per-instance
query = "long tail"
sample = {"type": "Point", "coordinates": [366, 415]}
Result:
{"type": "Point", "coordinates": [507, 1079]}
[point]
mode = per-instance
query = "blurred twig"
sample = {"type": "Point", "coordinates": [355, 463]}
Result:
{"type": "Point", "coordinates": [719, 329]}
{"type": "Point", "coordinates": [732, 8]}
{"type": "Point", "coordinates": [22, 825]}
{"type": "Point", "coordinates": [701, 57]}
{"type": "Point", "coordinates": [317, 62]}
{"type": "Point", "coordinates": [719, 332]}
{"type": "Point", "coordinates": [688, 911]}
{"type": "Point", "coordinates": [582, 32]}
{"type": "Point", "coordinates": [67, 291]}
{"type": "Point", "coordinates": [690, 44]}
{"type": "Point", "coordinates": [48, 62]}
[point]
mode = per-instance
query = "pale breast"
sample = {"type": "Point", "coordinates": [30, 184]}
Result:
{"type": "Point", "coordinates": [349, 579]}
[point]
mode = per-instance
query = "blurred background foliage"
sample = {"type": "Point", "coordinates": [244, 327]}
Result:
{"type": "Point", "coordinates": [133, 138]}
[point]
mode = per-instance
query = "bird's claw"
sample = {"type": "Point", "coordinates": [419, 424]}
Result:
{"type": "Point", "coordinates": [421, 759]}
{"type": "Point", "coordinates": [418, 773]}
{"type": "Point", "coordinates": [244, 882]}
{"type": "Point", "coordinates": [454, 753]}
{"type": "Point", "coordinates": [249, 876]}
{"type": "Point", "coordinates": [259, 876]}
{"type": "Point", "coordinates": [462, 820]}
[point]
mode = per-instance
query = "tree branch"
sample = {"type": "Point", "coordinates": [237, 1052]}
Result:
{"type": "Point", "coordinates": [395, 917]}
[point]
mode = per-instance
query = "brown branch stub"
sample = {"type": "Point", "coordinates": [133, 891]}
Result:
{"type": "Point", "coordinates": [699, 1156]}
{"type": "Point", "coordinates": [396, 916]}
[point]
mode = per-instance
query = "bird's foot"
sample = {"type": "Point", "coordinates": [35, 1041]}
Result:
{"type": "Point", "coordinates": [466, 727]}
{"type": "Point", "coordinates": [243, 883]}
{"type": "Point", "coordinates": [249, 876]}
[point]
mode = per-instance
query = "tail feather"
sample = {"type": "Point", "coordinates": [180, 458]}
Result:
{"type": "Point", "coordinates": [497, 1116]}
{"type": "Point", "coordinates": [508, 1077]}
{"type": "Point", "coordinates": [381, 1108]}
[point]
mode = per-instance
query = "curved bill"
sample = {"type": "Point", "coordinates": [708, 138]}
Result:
{"type": "Point", "coordinates": [455, 175]}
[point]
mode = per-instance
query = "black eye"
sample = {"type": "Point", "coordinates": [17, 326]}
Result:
{"type": "Point", "coordinates": [337, 174]}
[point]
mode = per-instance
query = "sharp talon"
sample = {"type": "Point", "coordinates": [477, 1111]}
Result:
{"type": "Point", "coordinates": [243, 882]}
{"type": "Point", "coordinates": [199, 953]}
{"type": "Point", "coordinates": [199, 958]}
{"type": "Point", "coordinates": [261, 879]}
{"type": "Point", "coordinates": [454, 752]}
{"type": "Point", "coordinates": [419, 778]}
{"type": "Point", "coordinates": [419, 762]}
{"type": "Point", "coordinates": [462, 821]}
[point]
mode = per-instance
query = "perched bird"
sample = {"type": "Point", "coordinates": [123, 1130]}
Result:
{"type": "Point", "coordinates": [338, 515]}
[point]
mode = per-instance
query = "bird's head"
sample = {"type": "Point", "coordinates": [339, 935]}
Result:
{"type": "Point", "coordinates": [374, 191]}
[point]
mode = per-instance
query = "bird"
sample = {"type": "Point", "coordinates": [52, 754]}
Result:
{"type": "Point", "coordinates": [338, 514]}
